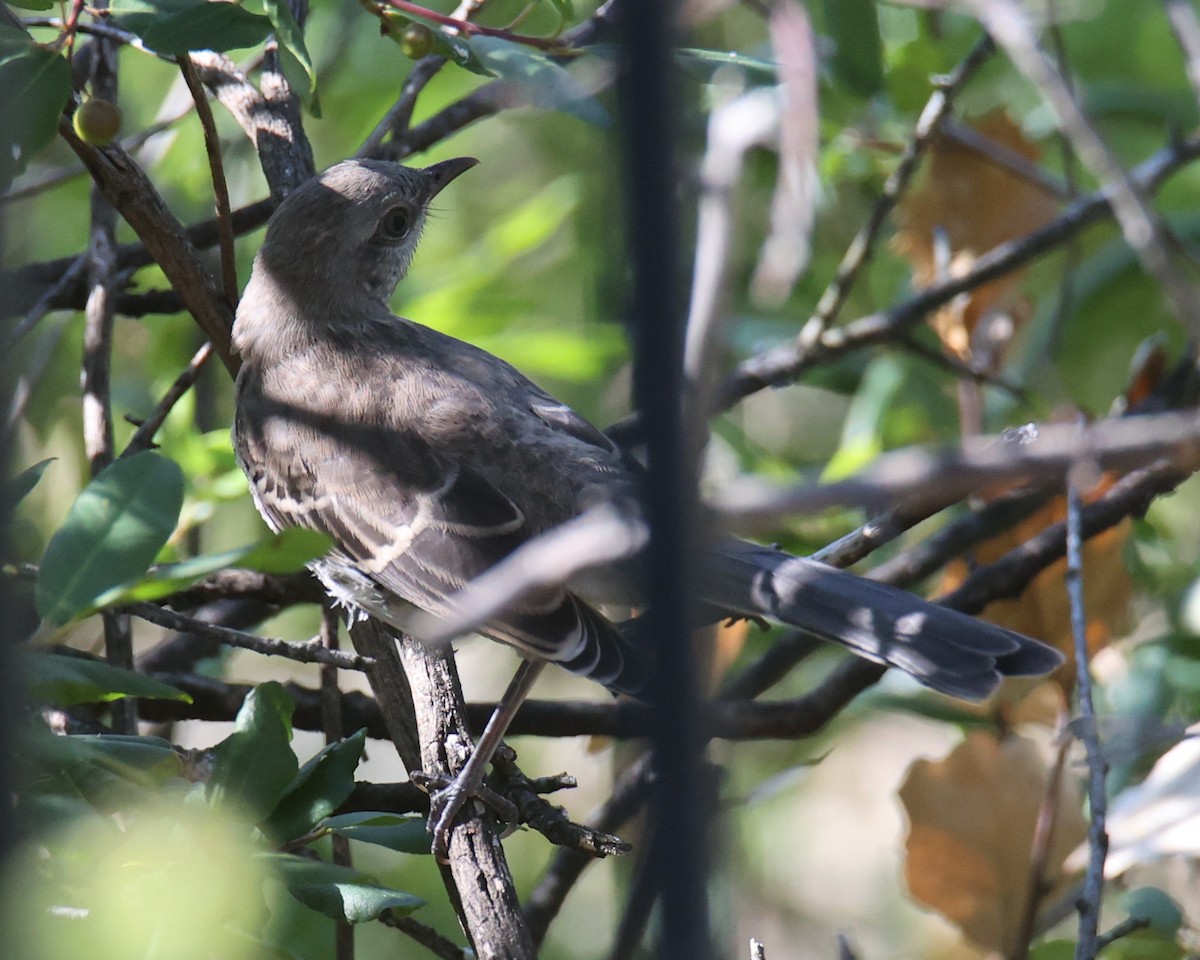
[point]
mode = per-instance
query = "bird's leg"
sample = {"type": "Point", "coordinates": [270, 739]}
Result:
{"type": "Point", "coordinates": [446, 800]}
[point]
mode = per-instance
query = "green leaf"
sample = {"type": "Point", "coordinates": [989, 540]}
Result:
{"type": "Point", "coordinates": [565, 8]}
{"type": "Point", "coordinates": [321, 786]}
{"type": "Point", "coordinates": [292, 41]}
{"type": "Point", "coordinates": [284, 552]}
{"type": "Point", "coordinates": [76, 774]}
{"type": "Point", "coordinates": [207, 26]}
{"type": "Point", "coordinates": [340, 892]}
{"type": "Point", "coordinates": [19, 487]}
{"type": "Point", "coordinates": [36, 82]}
{"type": "Point", "coordinates": [405, 834]}
{"type": "Point", "coordinates": [117, 752]}
{"type": "Point", "coordinates": [1151, 903]}
{"type": "Point", "coordinates": [113, 531]}
{"type": "Point", "coordinates": [764, 71]}
{"type": "Point", "coordinates": [32, 4]}
{"type": "Point", "coordinates": [853, 26]}
{"type": "Point", "coordinates": [67, 681]}
{"type": "Point", "coordinates": [548, 84]}
{"type": "Point", "coordinates": [255, 764]}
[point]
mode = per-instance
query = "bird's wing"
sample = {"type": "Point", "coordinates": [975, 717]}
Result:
{"type": "Point", "coordinates": [409, 525]}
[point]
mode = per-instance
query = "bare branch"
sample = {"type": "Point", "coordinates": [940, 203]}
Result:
{"type": "Point", "coordinates": [396, 121]}
{"type": "Point", "coordinates": [143, 437]}
{"type": "Point", "coordinates": [271, 122]}
{"type": "Point", "coordinates": [212, 147]}
{"type": "Point", "coordinates": [1031, 454]}
{"type": "Point", "coordinates": [1086, 946]}
{"type": "Point", "coordinates": [130, 191]}
{"type": "Point", "coordinates": [786, 363]}
{"type": "Point", "coordinates": [426, 936]}
{"type": "Point", "coordinates": [1186, 27]}
{"type": "Point", "coordinates": [27, 284]}
{"type": "Point", "coordinates": [1010, 26]}
{"type": "Point", "coordinates": [862, 247]}
{"type": "Point", "coordinates": [300, 652]}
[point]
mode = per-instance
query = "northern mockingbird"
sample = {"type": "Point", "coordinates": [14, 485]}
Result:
{"type": "Point", "coordinates": [428, 460]}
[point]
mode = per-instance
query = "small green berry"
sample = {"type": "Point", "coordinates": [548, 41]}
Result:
{"type": "Point", "coordinates": [416, 41]}
{"type": "Point", "coordinates": [97, 122]}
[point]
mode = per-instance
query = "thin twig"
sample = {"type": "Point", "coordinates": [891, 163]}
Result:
{"type": "Point", "coordinates": [127, 187]}
{"type": "Point", "coordinates": [331, 721]}
{"type": "Point", "coordinates": [1042, 454]}
{"type": "Point", "coordinates": [1009, 24]}
{"type": "Point", "coordinates": [466, 28]}
{"type": "Point", "coordinates": [862, 247]}
{"type": "Point", "coordinates": [143, 437]}
{"type": "Point", "coordinates": [300, 652]}
{"type": "Point", "coordinates": [46, 348]}
{"type": "Point", "coordinates": [1123, 929]}
{"type": "Point", "coordinates": [1186, 27]}
{"type": "Point", "coordinates": [99, 319]}
{"type": "Point", "coordinates": [971, 370]}
{"type": "Point", "coordinates": [216, 166]}
{"type": "Point", "coordinates": [786, 363]}
{"type": "Point", "coordinates": [1088, 904]}
{"type": "Point", "coordinates": [426, 936]}
{"type": "Point", "coordinates": [1005, 158]}
{"type": "Point", "coordinates": [1040, 884]}
{"type": "Point", "coordinates": [547, 819]}
{"type": "Point", "coordinates": [396, 121]}
{"type": "Point", "coordinates": [103, 29]}
{"type": "Point", "coordinates": [45, 302]}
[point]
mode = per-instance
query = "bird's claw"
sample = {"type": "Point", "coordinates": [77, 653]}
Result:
{"type": "Point", "coordinates": [448, 796]}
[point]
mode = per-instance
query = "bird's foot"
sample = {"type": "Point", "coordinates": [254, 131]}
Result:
{"type": "Point", "coordinates": [448, 796]}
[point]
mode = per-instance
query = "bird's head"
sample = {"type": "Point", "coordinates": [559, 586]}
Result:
{"type": "Point", "coordinates": [354, 228]}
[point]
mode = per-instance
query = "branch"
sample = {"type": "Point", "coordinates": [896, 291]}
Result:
{"type": "Point", "coordinates": [477, 873]}
{"type": "Point", "coordinates": [212, 148]}
{"type": "Point", "coordinates": [270, 119]}
{"type": "Point", "coordinates": [1141, 225]}
{"type": "Point", "coordinates": [785, 364]}
{"type": "Point", "coordinates": [468, 29]}
{"type": "Point", "coordinates": [1086, 947]}
{"type": "Point", "coordinates": [280, 590]}
{"type": "Point", "coordinates": [49, 280]}
{"type": "Point", "coordinates": [130, 191]}
{"type": "Point", "coordinates": [1041, 454]}
{"type": "Point", "coordinates": [550, 821]}
{"type": "Point", "coordinates": [143, 437]}
{"type": "Point", "coordinates": [426, 936]}
{"type": "Point", "coordinates": [862, 247]}
{"type": "Point", "coordinates": [300, 652]}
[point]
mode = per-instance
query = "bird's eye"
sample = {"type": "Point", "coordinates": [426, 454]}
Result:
{"type": "Point", "coordinates": [394, 225]}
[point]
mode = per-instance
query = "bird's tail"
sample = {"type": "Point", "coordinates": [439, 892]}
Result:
{"type": "Point", "coordinates": [944, 649]}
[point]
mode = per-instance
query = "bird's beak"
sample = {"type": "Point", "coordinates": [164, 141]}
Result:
{"type": "Point", "coordinates": [440, 174]}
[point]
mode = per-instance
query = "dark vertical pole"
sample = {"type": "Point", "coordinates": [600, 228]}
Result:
{"type": "Point", "coordinates": [657, 317]}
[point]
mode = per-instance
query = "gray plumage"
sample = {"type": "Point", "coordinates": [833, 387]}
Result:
{"type": "Point", "coordinates": [428, 460]}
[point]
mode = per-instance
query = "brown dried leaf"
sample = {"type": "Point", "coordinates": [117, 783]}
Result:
{"type": "Point", "coordinates": [971, 824]}
{"type": "Point", "coordinates": [976, 204]}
